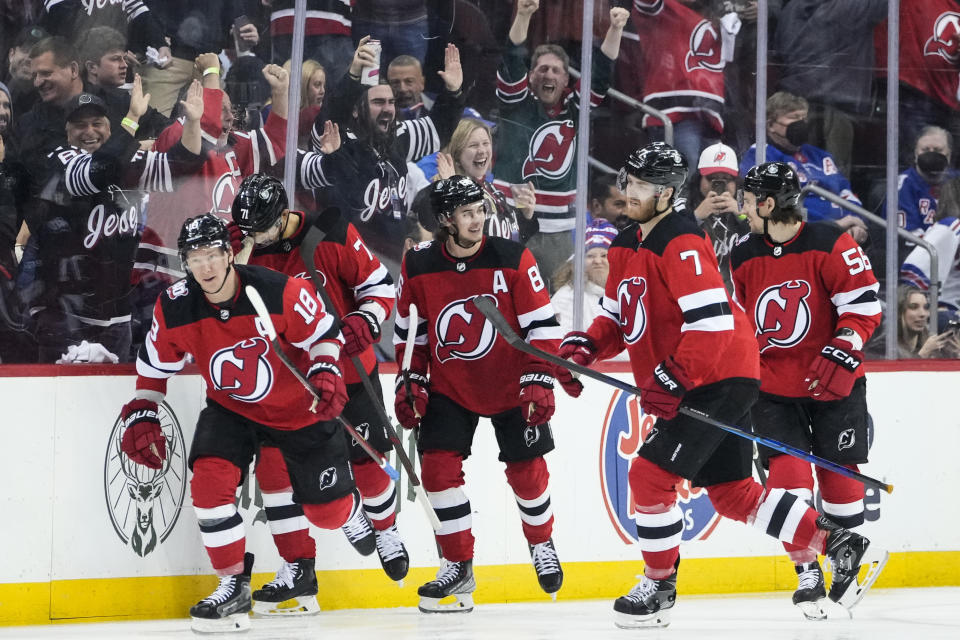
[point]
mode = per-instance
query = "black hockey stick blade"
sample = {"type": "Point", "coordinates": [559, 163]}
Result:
{"type": "Point", "coordinates": [489, 309]}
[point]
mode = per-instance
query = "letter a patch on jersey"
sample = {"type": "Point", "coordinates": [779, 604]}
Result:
{"type": "Point", "coordinates": [633, 317]}
{"type": "Point", "coordinates": [782, 315]}
{"type": "Point", "coordinates": [243, 370]}
{"type": "Point", "coordinates": [463, 332]}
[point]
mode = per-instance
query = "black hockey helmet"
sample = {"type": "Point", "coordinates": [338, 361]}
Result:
{"type": "Point", "coordinates": [777, 180]}
{"type": "Point", "coordinates": [205, 230]}
{"type": "Point", "coordinates": [455, 191]}
{"type": "Point", "coordinates": [259, 203]}
{"type": "Point", "coordinates": [657, 163]}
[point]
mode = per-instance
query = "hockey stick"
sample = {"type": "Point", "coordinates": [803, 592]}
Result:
{"type": "Point", "coordinates": [271, 330]}
{"type": "Point", "coordinates": [307, 250]}
{"type": "Point", "coordinates": [414, 319]}
{"type": "Point", "coordinates": [488, 308]}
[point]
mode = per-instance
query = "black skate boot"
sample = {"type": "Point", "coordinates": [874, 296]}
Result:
{"type": "Point", "coordinates": [295, 581]}
{"type": "Point", "coordinates": [547, 565]}
{"type": "Point", "coordinates": [358, 529]}
{"type": "Point", "coordinates": [810, 591]}
{"type": "Point", "coordinates": [647, 605]}
{"type": "Point", "coordinates": [453, 579]}
{"type": "Point", "coordinates": [393, 555]}
{"type": "Point", "coordinates": [847, 552]}
{"type": "Point", "coordinates": [225, 609]}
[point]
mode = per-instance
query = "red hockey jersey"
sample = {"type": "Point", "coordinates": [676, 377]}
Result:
{"type": "Point", "coordinates": [232, 351]}
{"type": "Point", "coordinates": [929, 48]}
{"type": "Point", "coordinates": [468, 361]}
{"type": "Point", "coordinates": [798, 294]}
{"type": "Point", "coordinates": [665, 297]}
{"type": "Point", "coordinates": [352, 276]}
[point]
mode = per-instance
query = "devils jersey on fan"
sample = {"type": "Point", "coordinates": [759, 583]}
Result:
{"type": "Point", "coordinates": [665, 297]}
{"type": "Point", "coordinates": [231, 348]}
{"type": "Point", "coordinates": [351, 275]}
{"type": "Point", "coordinates": [798, 295]}
{"type": "Point", "coordinates": [469, 362]}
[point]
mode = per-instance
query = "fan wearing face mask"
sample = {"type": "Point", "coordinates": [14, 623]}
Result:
{"type": "Point", "coordinates": [920, 185]}
{"type": "Point", "coordinates": [787, 133]}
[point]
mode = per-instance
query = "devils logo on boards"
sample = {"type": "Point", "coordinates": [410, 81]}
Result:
{"type": "Point", "coordinates": [633, 317]}
{"type": "Point", "coordinates": [463, 332]}
{"type": "Point", "coordinates": [782, 315]}
{"type": "Point", "coordinates": [553, 148]}
{"type": "Point", "coordinates": [243, 370]}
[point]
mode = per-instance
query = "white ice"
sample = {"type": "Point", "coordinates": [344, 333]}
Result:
{"type": "Point", "coordinates": [885, 614]}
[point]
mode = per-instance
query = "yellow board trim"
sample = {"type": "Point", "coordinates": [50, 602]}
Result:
{"type": "Point", "coordinates": [170, 597]}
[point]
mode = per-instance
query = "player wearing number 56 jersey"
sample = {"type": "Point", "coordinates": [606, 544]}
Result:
{"type": "Point", "coordinates": [473, 373]}
{"type": "Point", "coordinates": [666, 302]}
{"type": "Point", "coordinates": [812, 296]}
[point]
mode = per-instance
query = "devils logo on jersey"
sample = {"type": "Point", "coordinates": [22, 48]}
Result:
{"type": "Point", "coordinates": [704, 48]}
{"type": "Point", "coordinates": [633, 317]}
{"type": "Point", "coordinates": [553, 148]}
{"type": "Point", "coordinates": [782, 315]}
{"type": "Point", "coordinates": [945, 41]}
{"type": "Point", "coordinates": [243, 370]}
{"type": "Point", "coordinates": [463, 332]}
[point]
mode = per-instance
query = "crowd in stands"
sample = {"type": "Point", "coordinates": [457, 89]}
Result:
{"type": "Point", "coordinates": [119, 119]}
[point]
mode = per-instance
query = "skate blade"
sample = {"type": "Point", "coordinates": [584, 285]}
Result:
{"type": "Point", "coordinates": [462, 603]}
{"type": "Point", "coordinates": [626, 621]}
{"type": "Point", "coordinates": [553, 596]}
{"type": "Point", "coordinates": [299, 606]}
{"type": "Point", "coordinates": [233, 623]}
{"type": "Point", "coordinates": [873, 561]}
{"type": "Point", "coordinates": [812, 610]}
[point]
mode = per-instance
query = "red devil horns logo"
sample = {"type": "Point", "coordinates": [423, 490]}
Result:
{"type": "Point", "coordinates": [704, 48]}
{"type": "Point", "coordinates": [945, 41]}
{"type": "Point", "coordinates": [782, 315]}
{"type": "Point", "coordinates": [463, 332]}
{"type": "Point", "coordinates": [552, 150]}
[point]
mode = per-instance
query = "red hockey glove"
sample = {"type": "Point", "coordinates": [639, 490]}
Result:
{"type": "Point", "coordinates": [410, 408]}
{"type": "Point", "coordinates": [661, 393]}
{"type": "Point", "coordinates": [142, 440]}
{"type": "Point", "coordinates": [571, 385]}
{"type": "Point", "coordinates": [236, 237]}
{"type": "Point", "coordinates": [578, 347]}
{"type": "Point", "coordinates": [833, 372]}
{"type": "Point", "coordinates": [536, 397]}
{"type": "Point", "coordinates": [325, 377]}
{"type": "Point", "coordinates": [360, 329]}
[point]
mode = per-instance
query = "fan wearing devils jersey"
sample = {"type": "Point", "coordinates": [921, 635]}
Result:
{"type": "Point", "coordinates": [253, 399]}
{"type": "Point", "coordinates": [665, 300]}
{"type": "Point", "coordinates": [473, 373]}
{"type": "Point", "coordinates": [812, 296]}
{"type": "Point", "coordinates": [361, 291]}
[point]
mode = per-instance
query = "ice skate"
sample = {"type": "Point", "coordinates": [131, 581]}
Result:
{"type": "Point", "coordinates": [647, 605]}
{"type": "Point", "coordinates": [359, 531]}
{"type": "Point", "coordinates": [225, 610]}
{"type": "Point", "coordinates": [393, 555]}
{"type": "Point", "coordinates": [848, 553]}
{"type": "Point", "coordinates": [547, 565]}
{"type": "Point", "coordinates": [453, 579]}
{"type": "Point", "coordinates": [295, 581]}
{"type": "Point", "coordinates": [810, 591]}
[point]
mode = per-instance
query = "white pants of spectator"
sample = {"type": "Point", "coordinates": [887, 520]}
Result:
{"type": "Point", "coordinates": [562, 302]}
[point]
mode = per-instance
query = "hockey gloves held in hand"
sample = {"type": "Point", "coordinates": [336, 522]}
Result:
{"type": "Point", "coordinates": [325, 377]}
{"type": "Point", "coordinates": [360, 329]}
{"type": "Point", "coordinates": [536, 397]}
{"type": "Point", "coordinates": [413, 406]}
{"type": "Point", "coordinates": [661, 393]}
{"type": "Point", "coordinates": [833, 372]}
{"type": "Point", "coordinates": [143, 440]}
{"type": "Point", "coordinates": [578, 347]}
{"type": "Point", "coordinates": [236, 237]}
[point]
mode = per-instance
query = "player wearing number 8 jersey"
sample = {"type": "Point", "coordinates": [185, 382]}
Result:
{"type": "Point", "coordinates": [812, 296]}
{"type": "Point", "coordinates": [688, 342]}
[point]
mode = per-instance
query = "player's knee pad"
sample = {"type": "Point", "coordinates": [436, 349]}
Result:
{"type": "Point", "coordinates": [737, 500]}
{"type": "Point", "coordinates": [330, 515]}
{"type": "Point", "coordinates": [441, 470]}
{"type": "Point", "coordinates": [792, 474]}
{"type": "Point", "coordinates": [370, 478]}
{"type": "Point", "coordinates": [528, 478]}
{"type": "Point", "coordinates": [271, 471]}
{"type": "Point", "coordinates": [214, 482]}
{"type": "Point", "coordinates": [654, 489]}
{"type": "Point", "coordinates": [842, 497]}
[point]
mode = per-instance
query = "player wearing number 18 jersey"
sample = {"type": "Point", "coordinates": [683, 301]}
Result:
{"type": "Point", "coordinates": [812, 296]}
{"type": "Point", "coordinates": [666, 302]}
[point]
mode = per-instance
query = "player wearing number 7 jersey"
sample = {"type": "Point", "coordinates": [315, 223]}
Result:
{"type": "Point", "coordinates": [688, 342]}
{"type": "Point", "coordinates": [812, 296]}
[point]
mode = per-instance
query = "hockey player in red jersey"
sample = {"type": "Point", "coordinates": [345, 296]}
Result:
{"type": "Point", "coordinates": [361, 290]}
{"type": "Point", "coordinates": [812, 296]}
{"type": "Point", "coordinates": [473, 373]}
{"type": "Point", "coordinates": [252, 399]}
{"type": "Point", "coordinates": [666, 303]}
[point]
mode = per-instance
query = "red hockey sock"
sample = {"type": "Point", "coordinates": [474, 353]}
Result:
{"type": "Point", "coordinates": [213, 489]}
{"type": "Point", "coordinates": [288, 525]}
{"type": "Point", "coordinates": [379, 493]}
{"type": "Point", "coordinates": [659, 519]}
{"type": "Point", "coordinates": [442, 477]}
{"type": "Point", "coordinates": [793, 475]}
{"type": "Point", "coordinates": [529, 480]}
{"type": "Point", "coordinates": [330, 515]}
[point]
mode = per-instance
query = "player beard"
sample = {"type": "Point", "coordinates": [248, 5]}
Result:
{"type": "Point", "coordinates": [644, 212]}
